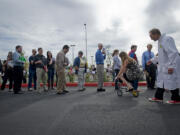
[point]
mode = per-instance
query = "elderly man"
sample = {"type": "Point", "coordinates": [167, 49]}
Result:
{"type": "Point", "coordinates": [100, 57]}
{"type": "Point", "coordinates": [61, 63]}
{"type": "Point", "coordinates": [168, 67]}
{"type": "Point", "coordinates": [150, 70]}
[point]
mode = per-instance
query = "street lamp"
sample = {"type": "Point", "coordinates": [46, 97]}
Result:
{"type": "Point", "coordinates": [72, 46]}
{"type": "Point", "coordinates": [85, 28]}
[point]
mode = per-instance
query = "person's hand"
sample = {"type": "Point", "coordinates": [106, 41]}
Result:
{"type": "Point", "coordinates": [149, 63]}
{"type": "Point", "coordinates": [170, 70]}
{"type": "Point", "coordinates": [146, 73]}
{"type": "Point", "coordinates": [76, 68]}
{"type": "Point", "coordinates": [51, 62]}
{"type": "Point", "coordinates": [65, 64]}
{"type": "Point", "coordinates": [117, 77]}
{"type": "Point", "coordinates": [40, 62]}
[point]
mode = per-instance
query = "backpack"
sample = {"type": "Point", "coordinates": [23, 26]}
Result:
{"type": "Point", "coordinates": [133, 71]}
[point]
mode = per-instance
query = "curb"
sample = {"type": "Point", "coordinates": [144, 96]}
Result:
{"type": "Point", "coordinates": [92, 84]}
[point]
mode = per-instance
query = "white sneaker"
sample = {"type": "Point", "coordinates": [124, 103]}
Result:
{"type": "Point", "coordinates": [30, 89]}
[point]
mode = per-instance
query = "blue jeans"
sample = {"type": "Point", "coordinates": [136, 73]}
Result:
{"type": "Point", "coordinates": [51, 75]}
{"type": "Point", "coordinates": [135, 84]}
{"type": "Point", "coordinates": [32, 75]}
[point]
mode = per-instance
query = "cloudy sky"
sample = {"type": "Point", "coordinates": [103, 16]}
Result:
{"type": "Point", "coordinates": [52, 23]}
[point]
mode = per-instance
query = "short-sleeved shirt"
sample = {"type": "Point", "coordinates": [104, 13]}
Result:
{"type": "Point", "coordinates": [32, 66]}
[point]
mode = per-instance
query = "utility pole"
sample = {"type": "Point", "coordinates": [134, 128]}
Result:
{"type": "Point", "coordinates": [85, 28]}
{"type": "Point", "coordinates": [72, 46]}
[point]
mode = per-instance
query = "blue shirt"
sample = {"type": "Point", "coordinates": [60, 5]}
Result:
{"type": "Point", "coordinates": [16, 59]}
{"type": "Point", "coordinates": [117, 62]}
{"type": "Point", "coordinates": [100, 57]}
{"type": "Point", "coordinates": [147, 55]}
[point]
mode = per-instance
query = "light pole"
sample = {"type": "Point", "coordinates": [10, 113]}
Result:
{"type": "Point", "coordinates": [72, 46]}
{"type": "Point", "coordinates": [92, 58]}
{"type": "Point", "coordinates": [85, 28]}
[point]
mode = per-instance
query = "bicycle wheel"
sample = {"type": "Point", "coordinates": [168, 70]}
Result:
{"type": "Point", "coordinates": [119, 92]}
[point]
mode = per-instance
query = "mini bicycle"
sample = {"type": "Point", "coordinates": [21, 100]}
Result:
{"type": "Point", "coordinates": [121, 89]}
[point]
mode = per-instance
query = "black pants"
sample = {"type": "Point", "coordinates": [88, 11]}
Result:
{"type": "Point", "coordinates": [18, 77]}
{"type": "Point", "coordinates": [160, 92]}
{"type": "Point", "coordinates": [7, 76]}
{"type": "Point", "coordinates": [151, 78]}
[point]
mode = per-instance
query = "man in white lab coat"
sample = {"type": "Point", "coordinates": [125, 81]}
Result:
{"type": "Point", "coordinates": [168, 60]}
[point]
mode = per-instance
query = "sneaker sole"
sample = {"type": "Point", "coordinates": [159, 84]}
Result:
{"type": "Point", "coordinates": [158, 101]}
{"type": "Point", "coordinates": [167, 102]}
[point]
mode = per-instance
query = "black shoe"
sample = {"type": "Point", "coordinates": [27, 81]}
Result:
{"type": "Point", "coordinates": [101, 90]}
{"type": "Point", "coordinates": [152, 88]}
{"type": "Point", "coordinates": [65, 91]}
{"type": "Point", "coordinates": [18, 92]}
{"type": "Point", "coordinates": [60, 93]}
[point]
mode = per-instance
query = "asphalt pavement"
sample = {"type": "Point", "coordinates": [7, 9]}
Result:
{"type": "Point", "coordinates": [86, 113]}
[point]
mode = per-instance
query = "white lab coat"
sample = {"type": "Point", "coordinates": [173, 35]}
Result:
{"type": "Point", "coordinates": [168, 57]}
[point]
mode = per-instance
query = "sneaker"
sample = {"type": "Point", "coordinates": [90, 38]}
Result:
{"type": "Point", "coordinates": [65, 91]}
{"type": "Point", "coordinates": [135, 93]}
{"type": "Point", "coordinates": [82, 89]}
{"type": "Point", "coordinates": [45, 89]}
{"type": "Point", "coordinates": [30, 89]}
{"type": "Point", "coordinates": [173, 102]}
{"type": "Point", "coordinates": [155, 100]}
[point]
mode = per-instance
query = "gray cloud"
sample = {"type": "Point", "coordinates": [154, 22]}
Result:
{"type": "Point", "coordinates": [160, 14]}
{"type": "Point", "coordinates": [53, 23]}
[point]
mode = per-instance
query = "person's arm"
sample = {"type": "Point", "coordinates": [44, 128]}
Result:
{"type": "Point", "coordinates": [75, 65]}
{"type": "Point", "coordinates": [123, 68]}
{"type": "Point", "coordinates": [97, 57]}
{"type": "Point", "coordinates": [152, 55]}
{"type": "Point", "coordinates": [16, 58]}
{"type": "Point", "coordinates": [172, 52]}
{"type": "Point", "coordinates": [60, 60]}
{"type": "Point", "coordinates": [143, 61]}
{"type": "Point", "coordinates": [153, 60]}
{"type": "Point", "coordinates": [104, 55]}
{"type": "Point", "coordinates": [37, 61]}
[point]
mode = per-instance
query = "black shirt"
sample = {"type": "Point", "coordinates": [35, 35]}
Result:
{"type": "Point", "coordinates": [42, 58]}
{"type": "Point", "coordinates": [51, 66]}
{"type": "Point", "coordinates": [32, 66]}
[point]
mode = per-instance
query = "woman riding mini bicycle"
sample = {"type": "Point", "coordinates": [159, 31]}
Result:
{"type": "Point", "coordinates": [132, 71]}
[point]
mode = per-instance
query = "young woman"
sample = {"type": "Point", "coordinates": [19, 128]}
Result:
{"type": "Point", "coordinates": [51, 70]}
{"type": "Point", "coordinates": [116, 66]}
{"type": "Point", "coordinates": [132, 73]}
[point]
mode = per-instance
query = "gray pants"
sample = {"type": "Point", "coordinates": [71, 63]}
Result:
{"type": "Point", "coordinates": [81, 78]}
{"type": "Point", "coordinates": [100, 74]}
{"type": "Point", "coordinates": [41, 76]}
